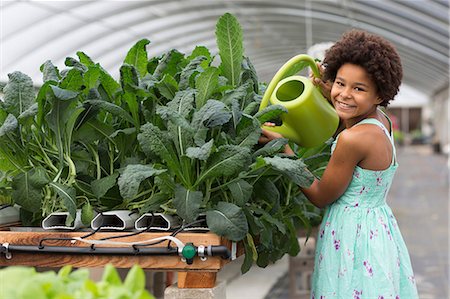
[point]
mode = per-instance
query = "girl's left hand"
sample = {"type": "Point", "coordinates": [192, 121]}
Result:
{"type": "Point", "coordinates": [267, 135]}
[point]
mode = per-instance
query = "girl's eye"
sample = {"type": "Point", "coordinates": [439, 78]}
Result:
{"type": "Point", "coordinates": [339, 83]}
{"type": "Point", "coordinates": [359, 89]}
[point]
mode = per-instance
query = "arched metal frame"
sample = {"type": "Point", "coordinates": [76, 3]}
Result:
{"type": "Point", "coordinates": [274, 31]}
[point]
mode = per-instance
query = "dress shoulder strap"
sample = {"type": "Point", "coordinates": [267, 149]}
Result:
{"type": "Point", "coordinates": [390, 135]}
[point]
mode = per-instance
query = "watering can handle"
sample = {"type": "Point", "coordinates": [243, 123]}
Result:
{"type": "Point", "coordinates": [281, 74]}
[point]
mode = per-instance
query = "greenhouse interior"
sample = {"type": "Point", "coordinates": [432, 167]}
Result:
{"type": "Point", "coordinates": [132, 160]}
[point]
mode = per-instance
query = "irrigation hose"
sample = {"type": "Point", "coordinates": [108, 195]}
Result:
{"type": "Point", "coordinates": [211, 250]}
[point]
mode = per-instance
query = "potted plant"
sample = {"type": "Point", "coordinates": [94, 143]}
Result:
{"type": "Point", "coordinates": [175, 134]}
{"type": "Point", "coordinates": [25, 282]}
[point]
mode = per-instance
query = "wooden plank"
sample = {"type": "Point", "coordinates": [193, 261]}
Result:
{"type": "Point", "coordinates": [191, 280]}
{"type": "Point", "coordinates": [160, 263]}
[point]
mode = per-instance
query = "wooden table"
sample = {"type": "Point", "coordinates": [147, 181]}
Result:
{"type": "Point", "coordinates": [199, 274]}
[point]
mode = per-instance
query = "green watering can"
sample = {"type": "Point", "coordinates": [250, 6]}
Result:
{"type": "Point", "coordinates": [311, 119]}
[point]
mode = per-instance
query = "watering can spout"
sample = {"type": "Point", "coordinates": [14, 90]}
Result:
{"type": "Point", "coordinates": [311, 119]}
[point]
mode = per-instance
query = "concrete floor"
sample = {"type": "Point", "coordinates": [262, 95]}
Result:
{"type": "Point", "coordinates": [419, 198]}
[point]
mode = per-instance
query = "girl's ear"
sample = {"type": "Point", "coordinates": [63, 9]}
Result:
{"type": "Point", "coordinates": [379, 100]}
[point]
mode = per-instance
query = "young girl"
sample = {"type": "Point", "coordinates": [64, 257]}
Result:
{"type": "Point", "coordinates": [360, 250]}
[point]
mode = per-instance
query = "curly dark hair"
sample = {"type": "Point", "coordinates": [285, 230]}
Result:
{"type": "Point", "coordinates": [375, 54]}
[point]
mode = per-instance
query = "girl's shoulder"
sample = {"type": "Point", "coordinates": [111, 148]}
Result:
{"type": "Point", "coordinates": [361, 139]}
{"type": "Point", "coordinates": [364, 134]}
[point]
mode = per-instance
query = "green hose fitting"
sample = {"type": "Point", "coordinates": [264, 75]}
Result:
{"type": "Point", "coordinates": [188, 252]}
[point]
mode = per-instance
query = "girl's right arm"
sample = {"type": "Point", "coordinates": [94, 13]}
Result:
{"type": "Point", "coordinates": [351, 148]}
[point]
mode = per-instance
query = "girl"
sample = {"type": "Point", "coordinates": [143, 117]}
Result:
{"type": "Point", "coordinates": [360, 251]}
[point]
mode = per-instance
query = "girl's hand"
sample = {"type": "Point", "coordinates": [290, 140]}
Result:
{"type": "Point", "coordinates": [267, 135]}
{"type": "Point", "coordinates": [325, 86]}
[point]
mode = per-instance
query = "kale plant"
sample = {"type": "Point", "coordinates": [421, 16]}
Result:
{"type": "Point", "coordinates": [176, 134]}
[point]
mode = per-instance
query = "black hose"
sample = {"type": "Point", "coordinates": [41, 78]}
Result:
{"type": "Point", "coordinates": [216, 250]}
{"type": "Point", "coordinates": [89, 250]}
{"type": "Point", "coordinates": [219, 250]}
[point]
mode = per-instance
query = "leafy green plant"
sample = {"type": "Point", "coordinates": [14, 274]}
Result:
{"type": "Point", "coordinates": [176, 134]}
{"type": "Point", "coordinates": [25, 282]}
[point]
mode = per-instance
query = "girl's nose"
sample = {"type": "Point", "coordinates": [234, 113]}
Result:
{"type": "Point", "coordinates": [346, 93]}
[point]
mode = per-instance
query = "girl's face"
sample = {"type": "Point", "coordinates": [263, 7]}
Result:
{"type": "Point", "coordinates": [354, 94]}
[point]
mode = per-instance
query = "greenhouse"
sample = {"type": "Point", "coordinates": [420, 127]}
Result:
{"type": "Point", "coordinates": [224, 149]}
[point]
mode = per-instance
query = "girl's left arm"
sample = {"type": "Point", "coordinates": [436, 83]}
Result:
{"type": "Point", "coordinates": [348, 153]}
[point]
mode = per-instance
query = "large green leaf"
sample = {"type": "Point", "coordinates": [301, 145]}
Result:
{"type": "Point", "coordinates": [267, 191]}
{"type": "Point", "coordinates": [62, 105]}
{"type": "Point", "coordinates": [231, 49]}
{"type": "Point", "coordinates": [213, 113]}
{"type": "Point", "coordinates": [249, 73]}
{"type": "Point", "coordinates": [206, 84]}
{"type": "Point", "coordinates": [270, 113]}
{"type": "Point", "coordinates": [201, 51]}
{"type": "Point", "coordinates": [9, 125]}
{"type": "Point", "coordinates": [227, 220]}
{"type": "Point", "coordinates": [272, 147]}
{"type": "Point", "coordinates": [68, 196]}
{"type": "Point", "coordinates": [137, 56]}
{"type": "Point", "coordinates": [132, 176]}
{"type": "Point", "coordinates": [49, 72]}
{"type": "Point", "coordinates": [202, 153]}
{"type": "Point", "coordinates": [111, 108]}
{"type": "Point", "coordinates": [108, 83]}
{"type": "Point", "coordinates": [18, 93]}
{"type": "Point", "coordinates": [27, 189]}
{"type": "Point", "coordinates": [167, 86]}
{"type": "Point", "coordinates": [241, 191]}
{"type": "Point", "coordinates": [91, 77]}
{"type": "Point", "coordinates": [187, 203]}
{"type": "Point", "coordinates": [294, 169]}
{"type": "Point", "coordinates": [227, 161]}
{"type": "Point", "coordinates": [248, 131]}
{"type": "Point", "coordinates": [170, 63]}
{"type": "Point", "coordinates": [181, 131]}
{"type": "Point", "coordinates": [154, 141]}
{"type": "Point", "coordinates": [72, 62]}
{"type": "Point", "coordinates": [101, 186]}
{"type": "Point", "coordinates": [29, 113]}
{"type": "Point", "coordinates": [73, 80]}
{"type": "Point", "coordinates": [187, 72]}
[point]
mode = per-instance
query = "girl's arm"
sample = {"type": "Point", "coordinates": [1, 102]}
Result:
{"type": "Point", "coordinates": [349, 152]}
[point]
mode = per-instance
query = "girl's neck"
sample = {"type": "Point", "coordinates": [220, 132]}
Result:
{"type": "Point", "coordinates": [374, 113]}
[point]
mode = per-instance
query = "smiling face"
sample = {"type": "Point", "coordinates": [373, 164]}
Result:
{"type": "Point", "coordinates": [354, 94]}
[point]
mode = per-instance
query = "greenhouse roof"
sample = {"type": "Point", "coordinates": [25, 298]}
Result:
{"type": "Point", "coordinates": [274, 31]}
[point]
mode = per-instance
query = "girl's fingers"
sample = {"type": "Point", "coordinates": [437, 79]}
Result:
{"type": "Point", "coordinates": [269, 124]}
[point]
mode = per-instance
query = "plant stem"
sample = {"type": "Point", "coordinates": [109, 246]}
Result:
{"type": "Point", "coordinates": [44, 154]}
{"type": "Point", "coordinates": [72, 171]}
{"type": "Point", "coordinates": [141, 194]}
{"type": "Point", "coordinates": [96, 158]}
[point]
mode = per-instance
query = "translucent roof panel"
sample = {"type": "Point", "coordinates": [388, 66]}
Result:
{"type": "Point", "coordinates": [274, 31]}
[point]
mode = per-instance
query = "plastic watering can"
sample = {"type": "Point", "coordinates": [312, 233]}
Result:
{"type": "Point", "coordinates": [311, 119]}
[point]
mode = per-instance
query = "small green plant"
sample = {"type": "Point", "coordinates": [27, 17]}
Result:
{"type": "Point", "coordinates": [24, 282]}
{"type": "Point", "coordinates": [176, 134]}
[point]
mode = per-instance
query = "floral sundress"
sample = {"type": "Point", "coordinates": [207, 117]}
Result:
{"type": "Point", "coordinates": [360, 251]}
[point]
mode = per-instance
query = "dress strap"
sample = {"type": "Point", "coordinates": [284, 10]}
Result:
{"type": "Point", "coordinates": [390, 135]}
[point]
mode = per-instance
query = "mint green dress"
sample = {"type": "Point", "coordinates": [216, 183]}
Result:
{"type": "Point", "coordinates": [360, 251]}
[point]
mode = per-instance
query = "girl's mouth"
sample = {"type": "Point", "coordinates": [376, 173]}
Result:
{"type": "Point", "coordinates": [344, 106]}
